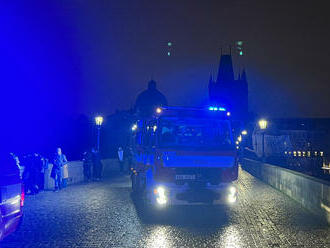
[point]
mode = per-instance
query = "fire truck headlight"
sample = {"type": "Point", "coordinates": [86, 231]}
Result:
{"type": "Point", "coordinates": [232, 195]}
{"type": "Point", "coordinates": [161, 200]}
{"type": "Point", "coordinates": [160, 193]}
{"type": "Point", "coordinates": [232, 190]}
{"type": "Point", "coordinates": [232, 199]}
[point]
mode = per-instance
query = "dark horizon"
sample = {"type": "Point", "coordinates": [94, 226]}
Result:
{"type": "Point", "coordinates": [62, 59]}
{"type": "Point", "coordinates": [102, 54]}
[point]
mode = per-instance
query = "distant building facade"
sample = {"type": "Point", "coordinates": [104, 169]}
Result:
{"type": "Point", "coordinates": [229, 92]}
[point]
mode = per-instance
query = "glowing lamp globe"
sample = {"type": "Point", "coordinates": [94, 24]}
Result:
{"type": "Point", "coordinates": [263, 124]}
{"type": "Point", "coordinates": [98, 120]}
{"type": "Point", "coordinates": [158, 110]}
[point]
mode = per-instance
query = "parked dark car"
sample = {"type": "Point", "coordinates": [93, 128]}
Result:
{"type": "Point", "coordinates": [11, 196]}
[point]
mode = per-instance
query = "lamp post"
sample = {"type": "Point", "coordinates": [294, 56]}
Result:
{"type": "Point", "coordinates": [263, 126]}
{"type": "Point", "coordinates": [98, 122]}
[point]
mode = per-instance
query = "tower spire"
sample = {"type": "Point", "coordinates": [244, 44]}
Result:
{"type": "Point", "coordinates": [226, 71]}
{"type": "Point", "coordinates": [243, 76]}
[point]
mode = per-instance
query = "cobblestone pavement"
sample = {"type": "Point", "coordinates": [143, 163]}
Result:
{"type": "Point", "coordinates": [102, 214]}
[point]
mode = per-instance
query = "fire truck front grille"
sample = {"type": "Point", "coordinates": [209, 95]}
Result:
{"type": "Point", "coordinates": [205, 196]}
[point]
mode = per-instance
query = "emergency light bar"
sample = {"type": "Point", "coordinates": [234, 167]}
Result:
{"type": "Point", "coordinates": [212, 108]}
{"type": "Point", "coordinates": [188, 111]}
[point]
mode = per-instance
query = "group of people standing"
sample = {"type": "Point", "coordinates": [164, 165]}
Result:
{"type": "Point", "coordinates": [31, 170]}
{"type": "Point", "coordinates": [122, 156]}
{"type": "Point", "coordinates": [93, 166]}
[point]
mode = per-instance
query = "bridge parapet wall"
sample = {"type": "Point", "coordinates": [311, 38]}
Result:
{"type": "Point", "coordinates": [76, 173]}
{"type": "Point", "coordinates": [312, 193]}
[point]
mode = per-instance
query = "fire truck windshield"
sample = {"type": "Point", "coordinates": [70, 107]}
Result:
{"type": "Point", "coordinates": [198, 133]}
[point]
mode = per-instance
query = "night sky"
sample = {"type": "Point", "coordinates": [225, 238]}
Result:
{"type": "Point", "coordinates": [73, 57]}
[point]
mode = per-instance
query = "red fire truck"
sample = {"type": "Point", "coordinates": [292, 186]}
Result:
{"type": "Point", "coordinates": [185, 156]}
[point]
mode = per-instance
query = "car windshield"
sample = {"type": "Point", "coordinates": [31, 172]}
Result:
{"type": "Point", "coordinates": [194, 133]}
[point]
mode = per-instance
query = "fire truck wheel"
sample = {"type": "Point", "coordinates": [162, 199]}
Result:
{"type": "Point", "coordinates": [146, 205]}
{"type": "Point", "coordinates": [133, 179]}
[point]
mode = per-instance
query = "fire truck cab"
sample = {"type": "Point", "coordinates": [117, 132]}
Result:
{"type": "Point", "coordinates": [184, 156]}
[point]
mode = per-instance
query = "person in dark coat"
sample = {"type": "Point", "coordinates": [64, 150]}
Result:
{"type": "Point", "coordinates": [38, 170]}
{"type": "Point", "coordinates": [56, 173]}
{"type": "Point", "coordinates": [97, 165]}
{"type": "Point", "coordinates": [29, 175]}
{"type": "Point", "coordinates": [88, 164]}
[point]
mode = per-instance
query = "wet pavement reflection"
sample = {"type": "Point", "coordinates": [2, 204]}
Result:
{"type": "Point", "coordinates": [103, 214]}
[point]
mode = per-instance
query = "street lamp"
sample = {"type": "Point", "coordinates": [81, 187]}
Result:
{"type": "Point", "coordinates": [159, 110]}
{"type": "Point", "coordinates": [263, 125]}
{"type": "Point", "coordinates": [98, 122]}
{"type": "Point", "coordinates": [134, 127]}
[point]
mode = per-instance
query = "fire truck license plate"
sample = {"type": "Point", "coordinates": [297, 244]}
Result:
{"type": "Point", "coordinates": [185, 177]}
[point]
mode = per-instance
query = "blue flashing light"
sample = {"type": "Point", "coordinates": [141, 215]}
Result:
{"type": "Point", "coordinates": [212, 108]}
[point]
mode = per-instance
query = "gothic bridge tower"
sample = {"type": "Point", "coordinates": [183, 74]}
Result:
{"type": "Point", "coordinates": [230, 92]}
